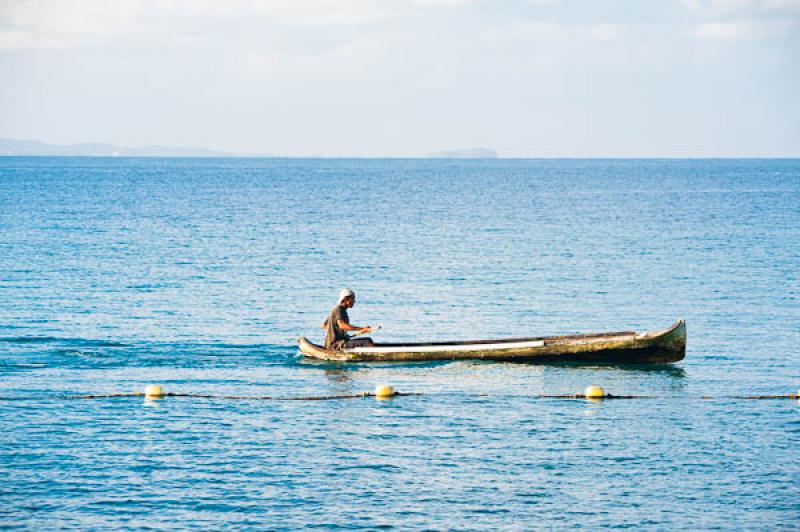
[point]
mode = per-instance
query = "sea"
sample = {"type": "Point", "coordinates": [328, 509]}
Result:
{"type": "Point", "coordinates": [200, 274]}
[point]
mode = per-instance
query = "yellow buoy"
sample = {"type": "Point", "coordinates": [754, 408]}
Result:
{"type": "Point", "coordinates": [594, 392]}
{"type": "Point", "coordinates": [383, 391]}
{"type": "Point", "coordinates": [153, 391]}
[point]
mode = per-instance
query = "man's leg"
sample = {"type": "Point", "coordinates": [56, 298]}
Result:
{"type": "Point", "coordinates": [359, 342]}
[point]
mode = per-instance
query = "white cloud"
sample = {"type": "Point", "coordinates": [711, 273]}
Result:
{"type": "Point", "coordinates": [443, 3]}
{"type": "Point", "coordinates": [346, 57]}
{"type": "Point", "coordinates": [552, 33]}
{"type": "Point", "coordinates": [606, 32]}
{"type": "Point", "coordinates": [742, 20]}
{"type": "Point", "coordinates": [782, 4]}
{"type": "Point", "coordinates": [742, 30]}
{"type": "Point", "coordinates": [72, 23]}
{"type": "Point", "coordinates": [64, 24]}
{"type": "Point", "coordinates": [717, 7]}
{"type": "Point", "coordinates": [27, 24]}
{"type": "Point", "coordinates": [722, 31]}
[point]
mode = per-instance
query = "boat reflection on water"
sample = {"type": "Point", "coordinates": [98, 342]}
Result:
{"type": "Point", "coordinates": [337, 375]}
{"type": "Point", "coordinates": [668, 370]}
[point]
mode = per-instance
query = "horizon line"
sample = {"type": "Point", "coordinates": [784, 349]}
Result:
{"type": "Point", "coordinates": [421, 157]}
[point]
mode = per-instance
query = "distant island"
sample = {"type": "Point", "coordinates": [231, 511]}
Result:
{"type": "Point", "coordinates": [93, 149]}
{"type": "Point", "coordinates": [473, 153]}
{"type": "Point", "coordinates": [16, 147]}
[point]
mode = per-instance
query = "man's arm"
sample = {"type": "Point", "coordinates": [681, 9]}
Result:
{"type": "Point", "coordinates": [343, 325]}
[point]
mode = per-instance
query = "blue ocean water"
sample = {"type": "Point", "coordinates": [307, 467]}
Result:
{"type": "Point", "coordinates": [199, 274]}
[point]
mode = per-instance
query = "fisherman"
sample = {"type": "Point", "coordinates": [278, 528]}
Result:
{"type": "Point", "coordinates": [338, 323]}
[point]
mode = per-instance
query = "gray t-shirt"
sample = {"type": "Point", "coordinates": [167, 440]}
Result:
{"type": "Point", "coordinates": [334, 335]}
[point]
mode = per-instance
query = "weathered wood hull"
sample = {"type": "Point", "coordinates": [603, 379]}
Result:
{"type": "Point", "coordinates": [658, 347]}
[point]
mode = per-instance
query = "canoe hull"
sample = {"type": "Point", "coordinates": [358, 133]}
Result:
{"type": "Point", "coordinates": [659, 347]}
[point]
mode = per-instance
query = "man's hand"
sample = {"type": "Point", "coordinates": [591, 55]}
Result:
{"type": "Point", "coordinates": [365, 329]}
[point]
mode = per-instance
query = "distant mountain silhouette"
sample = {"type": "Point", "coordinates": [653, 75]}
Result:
{"type": "Point", "coordinates": [95, 149]}
{"type": "Point", "coordinates": [473, 153]}
{"type": "Point", "coordinates": [10, 147]}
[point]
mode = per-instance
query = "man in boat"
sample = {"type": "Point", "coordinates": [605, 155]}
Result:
{"type": "Point", "coordinates": [338, 325]}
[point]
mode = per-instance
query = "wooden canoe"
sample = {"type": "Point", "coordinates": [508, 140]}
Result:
{"type": "Point", "coordinates": [657, 347]}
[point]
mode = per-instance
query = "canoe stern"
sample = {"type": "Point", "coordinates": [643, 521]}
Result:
{"type": "Point", "coordinates": [666, 346]}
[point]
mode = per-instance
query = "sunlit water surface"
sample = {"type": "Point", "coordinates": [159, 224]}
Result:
{"type": "Point", "coordinates": [199, 274]}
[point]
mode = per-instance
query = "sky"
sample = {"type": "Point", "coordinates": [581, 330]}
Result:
{"type": "Point", "coordinates": [375, 78]}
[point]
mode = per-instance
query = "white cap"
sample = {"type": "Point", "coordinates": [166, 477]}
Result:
{"type": "Point", "coordinates": [345, 293]}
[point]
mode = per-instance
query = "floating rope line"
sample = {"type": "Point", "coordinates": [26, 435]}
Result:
{"type": "Point", "coordinates": [702, 398]}
{"type": "Point", "coordinates": [242, 397]}
{"type": "Point", "coordinates": [755, 397]}
{"type": "Point", "coordinates": [386, 392]}
{"type": "Point", "coordinates": [612, 396]}
{"type": "Point", "coordinates": [406, 394]}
